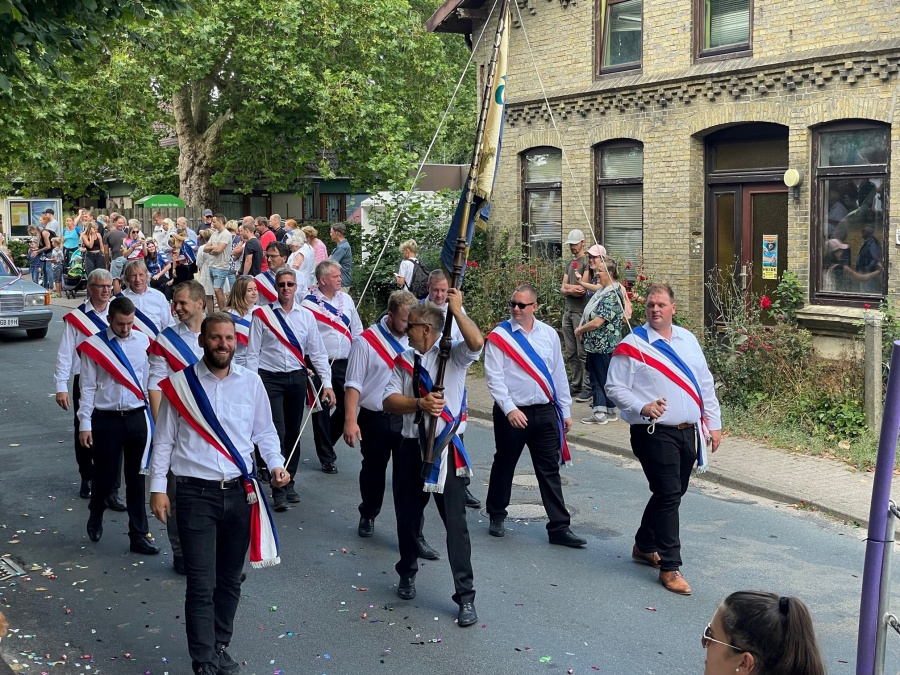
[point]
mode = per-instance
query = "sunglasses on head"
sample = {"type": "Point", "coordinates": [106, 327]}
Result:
{"type": "Point", "coordinates": [286, 284]}
{"type": "Point", "coordinates": [521, 305]}
{"type": "Point", "coordinates": [246, 276]}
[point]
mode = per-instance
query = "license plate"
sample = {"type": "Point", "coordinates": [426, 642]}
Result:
{"type": "Point", "coordinates": [9, 323]}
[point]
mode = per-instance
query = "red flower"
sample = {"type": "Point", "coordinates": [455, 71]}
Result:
{"type": "Point", "coordinates": [764, 302]}
{"type": "Point", "coordinates": [866, 306]}
{"type": "Point", "coordinates": [641, 277]}
{"type": "Point", "coordinates": [627, 264]}
{"type": "Point", "coordinates": [531, 271]}
{"type": "Point", "coordinates": [574, 264]}
{"type": "Point", "coordinates": [521, 267]}
{"type": "Point", "coordinates": [630, 295]}
{"type": "Point", "coordinates": [471, 263]}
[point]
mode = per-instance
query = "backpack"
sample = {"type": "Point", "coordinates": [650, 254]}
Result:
{"type": "Point", "coordinates": [418, 285]}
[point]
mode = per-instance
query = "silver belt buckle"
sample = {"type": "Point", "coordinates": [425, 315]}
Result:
{"type": "Point", "coordinates": [222, 485]}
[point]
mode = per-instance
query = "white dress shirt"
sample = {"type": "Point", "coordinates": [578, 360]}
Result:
{"type": "Point", "coordinates": [336, 343]}
{"type": "Point", "coordinates": [266, 352]}
{"type": "Point", "coordinates": [67, 360]}
{"type": "Point", "coordinates": [99, 391]}
{"type": "Point", "coordinates": [455, 332]}
{"type": "Point", "coordinates": [632, 384]}
{"type": "Point", "coordinates": [159, 367]}
{"type": "Point", "coordinates": [154, 304]}
{"type": "Point", "coordinates": [368, 373]}
{"type": "Point", "coordinates": [511, 387]}
{"type": "Point", "coordinates": [241, 406]}
{"type": "Point", "coordinates": [461, 357]}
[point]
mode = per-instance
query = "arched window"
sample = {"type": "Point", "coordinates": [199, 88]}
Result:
{"type": "Point", "coordinates": [850, 220]}
{"type": "Point", "coordinates": [542, 202]}
{"type": "Point", "coordinates": [620, 200]}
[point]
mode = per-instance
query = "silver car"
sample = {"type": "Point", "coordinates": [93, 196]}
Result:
{"type": "Point", "coordinates": [24, 305]}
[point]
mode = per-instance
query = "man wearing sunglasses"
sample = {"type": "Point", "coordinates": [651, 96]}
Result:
{"type": "Point", "coordinates": [525, 374]}
{"type": "Point", "coordinates": [282, 336]}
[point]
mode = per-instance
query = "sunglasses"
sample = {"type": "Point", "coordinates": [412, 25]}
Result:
{"type": "Point", "coordinates": [286, 284]}
{"type": "Point", "coordinates": [520, 305]}
{"type": "Point", "coordinates": [246, 276]}
{"type": "Point", "coordinates": [706, 638]}
{"type": "Point", "coordinates": [415, 323]}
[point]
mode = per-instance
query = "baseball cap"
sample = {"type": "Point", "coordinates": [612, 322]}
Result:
{"type": "Point", "coordinates": [835, 244]}
{"type": "Point", "coordinates": [597, 251]}
{"type": "Point", "coordinates": [207, 212]}
{"type": "Point", "coordinates": [50, 211]}
{"type": "Point", "coordinates": [574, 237]}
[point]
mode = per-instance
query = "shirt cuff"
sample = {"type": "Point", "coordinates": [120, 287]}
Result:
{"type": "Point", "coordinates": [85, 425]}
{"type": "Point", "coordinates": [326, 384]}
{"type": "Point", "coordinates": [62, 387]}
{"type": "Point", "coordinates": [508, 406]}
{"type": "Point", "coordinates": [158, 485]}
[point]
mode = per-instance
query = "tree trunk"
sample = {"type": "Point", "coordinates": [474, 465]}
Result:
{"type": "Point", "coordinates": [196, 148]}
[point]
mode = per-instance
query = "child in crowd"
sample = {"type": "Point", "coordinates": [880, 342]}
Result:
{"type": "Point", "coordinates": [57, 257]}
{"type": "Point", "coordinates": [35, 260]}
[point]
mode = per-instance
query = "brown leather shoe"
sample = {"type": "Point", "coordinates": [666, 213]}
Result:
{"type": "Point", "coordinates": [651, 559]}
{"type": "Point", "coordinates": [675, 582]}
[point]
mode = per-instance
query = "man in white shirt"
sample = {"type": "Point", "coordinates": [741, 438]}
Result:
{"type": "Point", "coordinates": [219, 247]}
{"type": "Point", "coordinates": [282, 336]}
{"type": "Point", "coordinates": [79, 324]}
{"type": "Point", "coordinates": [175, 348]}
{"type": "Point", "coordinates": [114, 418]}
{"type": "Point", "coordinates": [152, 310]}
{"type": "Point", "coordinates": [53, 225]}
{"type": "Point", "coordinates": [532, 411]}
{"type": "Point", "coordinates": [668, 425]}
{"type": "Point", "coordinates": [339, 324]}
{"type": "Point", "coordinates": [214, 513]}
{"type": "Point", "coordinates": [410, 393]}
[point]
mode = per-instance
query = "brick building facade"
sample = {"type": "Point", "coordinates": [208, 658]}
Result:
{"type": "Point", "coordinates": [665, 127]}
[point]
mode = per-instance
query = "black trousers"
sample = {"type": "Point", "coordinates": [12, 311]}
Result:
{"type": "Point", "coordinates": [287, 396]}
{"type": "Point", "coordinates": [115, 435]}
{"type": "Point", "coordinates": [215, 531]}
{"type": "Point", "coordinates": [382, 435]}
{"type": "Point", "coordinates": [84, 457]}
{"type": "Point", "coordinates": [542, 438]}
{"type": "Point", "coordinates": [328, 425]}
{"type": "Point", "coordinates": [409, 504]}
{"type": "Point", "coordinates": [667, 457]}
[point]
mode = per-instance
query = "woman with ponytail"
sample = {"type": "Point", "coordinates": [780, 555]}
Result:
{"type": "Point", "coordinates": [759, 633]}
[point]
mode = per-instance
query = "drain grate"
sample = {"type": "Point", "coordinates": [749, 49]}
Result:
{"type": "Point", "coordinates": [9, 569]}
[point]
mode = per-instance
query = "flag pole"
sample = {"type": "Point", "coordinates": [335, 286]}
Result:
{"type": "Point", "coordinates": [462, 241]}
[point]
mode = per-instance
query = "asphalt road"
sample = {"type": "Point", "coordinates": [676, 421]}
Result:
{"type": "Point", "coordinates": [330, 607]}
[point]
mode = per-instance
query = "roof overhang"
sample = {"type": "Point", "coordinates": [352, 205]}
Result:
{"type": "Point", "coordinates": [456, 16]}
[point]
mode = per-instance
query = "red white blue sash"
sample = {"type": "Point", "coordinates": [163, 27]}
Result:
{"type": "Point", "coordinates": [662, 358]}
{"type": "Point", "coordinates": [172, 347]}
{"type": "Point", "coordinates": [446, 436]}
{"type": "Point", "coordinates": [328, 315]}
{"type": "Point", "coordinates": [143, 322]}
{"type": "Point", "coordinates": [265, 284]}
{"type": "Point", "coordinates": [273, 319]}
{"type": "Point", "coordinates": [516, 346]}
{"type": "Point", "coordinates": [385, 345]}
{"type": "Point", "coordinates": [108, 354]}
{"type": "Point", "coordinates": [85, 321]}
{"type": "Point", "coordinates": [186, 395]}
{"type": "Point", "coordinates": [242, 329]}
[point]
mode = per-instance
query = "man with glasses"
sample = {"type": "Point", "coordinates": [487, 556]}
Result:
{"type": "Point", "coordinates": [525, 374]}
{"type": "Point", "coordinates": [276, 257]}
{"type": "Point", "coordinates": [410, 393]}
{"type": "Point", "coordinates": [659, 380]}
{"type": "Point", "coordinates": [339, 325]}
{"type": "Point", "coordinates": [78, 325]}
{"type": "Point", "coordinates": [266, 237]}
{"type": "Point", "coordinates": [282, 336]}
{"type": "Point", "coordinates": [152, 310]}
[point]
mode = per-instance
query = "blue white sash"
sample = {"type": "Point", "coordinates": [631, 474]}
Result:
{"type": "Point", "coordinates": [141, 321]}
{"type": "Point", "coordinates": [85, 320]}
{"type": "Point", "coordinates": [383, 343]}
{"type": "Point", "coordinates": [172, 347]}
{"type": "Point", "coordinates": [273, 318]}
{"type": "Point", "coordinates": [328, 315]}
{"type": "Point", "coordinates": [265, 284]}
{"type": "Point", "coordinates": [186, 395]}
{"type": "Point", "coordinates": [242, 328]}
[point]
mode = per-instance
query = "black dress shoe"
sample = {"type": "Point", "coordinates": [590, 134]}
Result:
{"type": "Point", "coordinates": [567, 538]}
{"type": "Point", "coordinates": [206, 670]}
{"type": "Point", "coordinates": [227, 665]}
{"type": "Point", "coordinates": [291, 494]}
{"type": "Point", "coordinates": [95, 527]}
{"type": "Point", "coordinates": [329, 467]}
{"type": "Point", "coordinates": [178, 564]}
{"type": "Point", "coordinates": [426, 552]}
{"type": "Point", "coordinates": [85, 491]}
{"type": "Point", "coordinates": [472, 501]}
{"type": "Point", "coordinates": [467, 614]}
{"type": "Point", "coordinates": [144, 545]}
{"type": "Point", "coordinates": [366, 527]}
{"type": "Point", "coordinates": [114, 503]}
{"type": "Point", "coordinates": [496, 528]}
{"type": "Point", "coordinates": [279, 501]}
{"type": "Point", "coordinates": [407, 588]}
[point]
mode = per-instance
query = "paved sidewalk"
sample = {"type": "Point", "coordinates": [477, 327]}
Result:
{"type": "Point", "coordinates": [829, 486]}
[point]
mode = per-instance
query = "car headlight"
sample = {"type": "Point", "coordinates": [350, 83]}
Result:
{"type": "Point", "coordinates": [37, 299]}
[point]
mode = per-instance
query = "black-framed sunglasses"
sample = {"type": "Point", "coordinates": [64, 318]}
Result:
{"type": "Point", "coordinates": [520, 305]}
{"type": "Point", "coordinates": [248, 277]}
{"type": "Point", "coordinates": [410, 324]}
{"type": "Point", "coordinates": [286, 284]}
{"type": "Point", "coordinates": [706, 638]}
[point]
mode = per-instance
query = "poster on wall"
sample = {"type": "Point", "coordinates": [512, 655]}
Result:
{"type": "Point", "coordinates": [20, 213]}
{"type": "Point", "coordinates": [770, 256]}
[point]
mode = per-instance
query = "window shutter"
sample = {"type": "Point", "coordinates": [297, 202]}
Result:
{"type": "Point", "coordinates": [544, 218]}
{"type": "Point", "coordinates": [625, 162]}
{"type": "Point", "coordinates": [728, 22]}
{"type": "Point", "coordinates": [623, 43]}
{"type": "Point", "coordinates": [623, 222]}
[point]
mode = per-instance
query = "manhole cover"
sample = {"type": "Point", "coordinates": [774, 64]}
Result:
{"type": "Point", "coordinates": [528, 511]}
{"type": "Point", "coordinates": [9, 569]}
{"type": "Point", "coordinates": [528, 481]}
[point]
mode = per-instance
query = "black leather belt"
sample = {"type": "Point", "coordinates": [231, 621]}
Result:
{"type": "Point", "coordinates": [683, 425]}
{"type": "Point", "coordinates": [119, 413]}
{"type": "Point", "coordinates": [213, 484]}
{"type": "Point", "coordinates": [375, 412]}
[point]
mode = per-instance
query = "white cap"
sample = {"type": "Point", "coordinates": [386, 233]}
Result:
{"type": "Point", "coordinates": [575, 237]}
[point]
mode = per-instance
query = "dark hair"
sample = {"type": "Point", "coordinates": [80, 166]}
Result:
{"type": "Point", "coordinates": [660, 289]}
{"type": "Point", "coordinates": [776, 630]}
{"type": "Point", "coordinates": [262, 220]}
{"type": "Point", "coordinates": [283, 249]}
{"type": "Point", "coordinates": [215, 318]}
{"type": "Point", "coordinates": [121, 306]}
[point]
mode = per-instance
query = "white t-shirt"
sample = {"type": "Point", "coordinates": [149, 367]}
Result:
{"type": "Point", "coordinates": [220, 260]}
{"type": "Point", "coordinates": [407, 269]}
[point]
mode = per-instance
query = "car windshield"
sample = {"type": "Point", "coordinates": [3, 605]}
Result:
{"type": "Point", "coordinates": [7, 269]}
